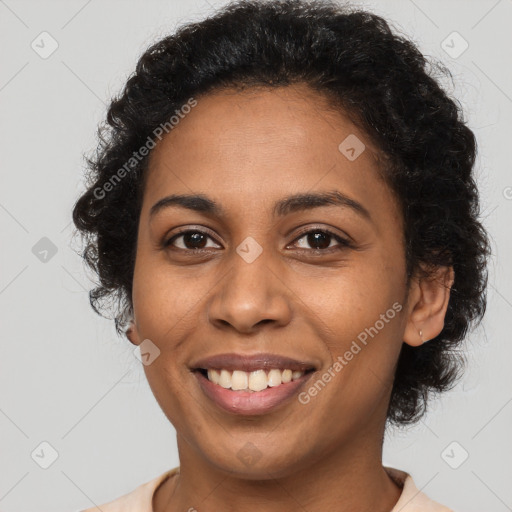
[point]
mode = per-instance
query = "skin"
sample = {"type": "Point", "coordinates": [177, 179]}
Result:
{"type": "Point", "coordinates": [246, 150]}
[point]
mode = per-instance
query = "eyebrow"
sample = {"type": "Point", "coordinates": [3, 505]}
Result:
{"type": "Point", "coordinates": [294, 203]}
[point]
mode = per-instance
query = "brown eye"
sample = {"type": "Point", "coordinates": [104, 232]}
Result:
{"type": "Point", "coordinates": [191, 240]}
{"type": "Point", "coordinates": [321, 239]}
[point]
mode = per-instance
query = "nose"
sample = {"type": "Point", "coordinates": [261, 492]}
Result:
{"type": "Point", "coordinates": [249, 296]}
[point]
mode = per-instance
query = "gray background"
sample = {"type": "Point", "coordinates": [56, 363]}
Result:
{"type": "Point", "coordinates": [68, 380]}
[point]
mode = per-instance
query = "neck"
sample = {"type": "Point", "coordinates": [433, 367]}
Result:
{"type": "Point", "coordinates": [351, 479]}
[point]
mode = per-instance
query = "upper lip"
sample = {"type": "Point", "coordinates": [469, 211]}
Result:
{"type": "Point", "coordinates": [249, 363]}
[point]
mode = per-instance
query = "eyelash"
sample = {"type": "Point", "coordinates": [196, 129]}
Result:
{"type": "Point", "coordinates": [344, 243]}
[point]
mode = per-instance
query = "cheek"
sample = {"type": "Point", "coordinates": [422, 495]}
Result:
{"type": "Point", "coordinates": [173, 397]}
{"type": "Point", "coordinates": [352, 298]}
{"type": "Point", "coordinates": [357, 313]}
{"type": "Point", "coordinates": [359, 327]}
{"type": "Point", "coordinates": [165, 315]}
{"type": "Point", "coordinates": [161, 299]}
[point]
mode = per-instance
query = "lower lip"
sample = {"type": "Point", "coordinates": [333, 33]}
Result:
{"type": "Point", "coordinates": [245, 402]}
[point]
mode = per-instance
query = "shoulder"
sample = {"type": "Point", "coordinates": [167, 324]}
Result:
{"type": "Point", "coordinates": [412, 499]}
{"type": "Point", "coordinates": [138, 500]}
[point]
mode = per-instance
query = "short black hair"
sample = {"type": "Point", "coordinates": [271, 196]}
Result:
{"type": "Point", "coordinates": [373, 74]}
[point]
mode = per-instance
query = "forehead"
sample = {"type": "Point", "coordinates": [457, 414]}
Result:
{"type": "Point", "coordinates": [242, 147]}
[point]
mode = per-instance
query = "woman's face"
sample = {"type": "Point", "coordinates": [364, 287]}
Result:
{"type": "Point", "coordinates": [249, 279]}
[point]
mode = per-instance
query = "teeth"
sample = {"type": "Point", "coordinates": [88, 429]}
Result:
{"type": "Point", "coordinates": [225, 379]}
{"type": "Point", "coordinates": [274, 378]}
{"type": "Point", "coordinates": [286, 376]}
{"type": "Point", "coordinates": [214, 376]}
{"type": "Point", "coordinates": [257, 380]}
{"type": "Point", "coordinates": [239, 380]}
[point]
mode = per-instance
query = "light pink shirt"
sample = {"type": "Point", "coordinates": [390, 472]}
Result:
{"type": "Point", "coordinates": [140, 499]}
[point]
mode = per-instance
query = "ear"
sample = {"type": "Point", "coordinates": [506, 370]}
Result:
{"type": "Point", "coordinates": [427, 305]}
{"type": "Point", "coordinates": [132, 333]}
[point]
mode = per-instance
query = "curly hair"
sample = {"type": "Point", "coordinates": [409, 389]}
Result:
{"type": "Point", "coordinates": [381, 80]}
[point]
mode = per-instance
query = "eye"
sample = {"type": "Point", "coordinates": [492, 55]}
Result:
{"type": "Point", "coordinates": [192, 239]}
{"type": "Point", "coordinates": [321, 239]}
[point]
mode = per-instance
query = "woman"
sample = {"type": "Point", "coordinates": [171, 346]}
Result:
{"type": "Point", "coordinates": [283, 203]}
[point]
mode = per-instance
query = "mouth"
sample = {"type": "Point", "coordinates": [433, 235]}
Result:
{"type": "Point", "coordinates": [252, 382]}
{"type": "Point", "coordinates": [251, 393]}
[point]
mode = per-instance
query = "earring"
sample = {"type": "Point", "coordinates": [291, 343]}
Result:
{"type": "Point", "coordinates": [421, 337]}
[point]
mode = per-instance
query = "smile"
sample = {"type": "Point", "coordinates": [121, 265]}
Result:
{"type": "Point", "coordinates": [257, 392]}
{"type": "Point", "coordinates": [258, 380]}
